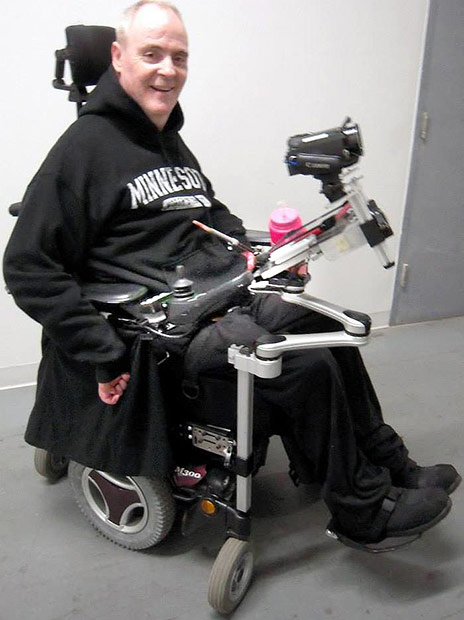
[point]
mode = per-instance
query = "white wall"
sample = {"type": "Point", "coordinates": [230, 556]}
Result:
{"type": "Point", "coordinates": [260, 71]}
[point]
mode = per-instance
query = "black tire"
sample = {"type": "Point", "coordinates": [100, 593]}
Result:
{"type": "Point", "coordinates": [50, 466]}
{"type": "Point", "coordinates": [135, 512]}
{"type": "Point", "coordinates": [231, 575]}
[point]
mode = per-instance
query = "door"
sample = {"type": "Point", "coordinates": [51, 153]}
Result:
{"type": "Point", "coordinates": [430, 277]}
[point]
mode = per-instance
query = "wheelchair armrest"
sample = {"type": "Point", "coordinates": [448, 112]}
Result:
{"type": "Point", "coordinates": [113, 293]}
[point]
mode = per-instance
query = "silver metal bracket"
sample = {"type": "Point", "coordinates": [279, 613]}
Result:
{"type": "Point", "coordinates": [245, 361]}
{"type": "Point", "coordinates": [211, 441]}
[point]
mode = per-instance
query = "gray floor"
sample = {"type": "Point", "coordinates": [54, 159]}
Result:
{"type": "Point", "coordinates": [55, 567]}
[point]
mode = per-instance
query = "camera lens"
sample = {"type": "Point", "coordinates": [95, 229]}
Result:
{"type": "Point", "coordinates": [353, 139]}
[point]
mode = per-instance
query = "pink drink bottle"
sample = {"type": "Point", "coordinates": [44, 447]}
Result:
{"type": "Point", "coordinates": [283, 220]}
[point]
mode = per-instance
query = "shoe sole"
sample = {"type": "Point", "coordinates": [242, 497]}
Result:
{"type": "Point", "coordinates": [423, 527]}
{"type": "Point", "coordinates": [454, 485]}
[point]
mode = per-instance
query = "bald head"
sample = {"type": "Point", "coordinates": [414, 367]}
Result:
{"type": "Point", "coordinates": [131, 11]}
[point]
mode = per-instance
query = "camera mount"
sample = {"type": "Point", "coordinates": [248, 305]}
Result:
{"type": "Point", "coordinates": [329, 156]}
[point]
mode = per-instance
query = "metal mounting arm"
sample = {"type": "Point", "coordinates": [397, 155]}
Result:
{"type": "Point", "coordinates": [353, 322]}
{"type": "Point", "coordinates": [300, 342]}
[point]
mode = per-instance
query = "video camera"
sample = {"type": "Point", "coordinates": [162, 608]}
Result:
{"type": "Point", "coordinates": [325, 152]}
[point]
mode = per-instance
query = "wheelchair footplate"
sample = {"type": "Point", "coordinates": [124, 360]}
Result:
{"type": "Point", "coordinates": [391, 543]}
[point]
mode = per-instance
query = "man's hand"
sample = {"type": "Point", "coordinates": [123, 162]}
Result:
{"type": "Point", "coordinates": [111, 392]}
{"type": "Point", "coordinates": [250, 259]}
{"type": "Point", "coordinates": [299, 270]}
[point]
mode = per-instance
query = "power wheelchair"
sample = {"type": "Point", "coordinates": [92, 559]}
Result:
{"type": "Point", "coordinates": [138, 512]}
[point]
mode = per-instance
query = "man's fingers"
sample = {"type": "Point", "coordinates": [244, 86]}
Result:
{"type": "Point", "coordinates": [118, 389]}
{"type": "Point", "coordinates": [108, 397]}
{"type": "Point", "coordinates": [121, 381]}
{"type": "Point", "coordinates": [122, 384]}
{"type": "Point", "coordinates": [111, 392]}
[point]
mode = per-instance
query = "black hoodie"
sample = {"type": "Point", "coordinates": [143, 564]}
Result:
{"type": "Point", "coordinates": [113, 202]}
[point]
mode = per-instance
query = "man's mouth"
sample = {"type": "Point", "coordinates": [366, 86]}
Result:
{"type": "Point", "coordinates": [161, 89]}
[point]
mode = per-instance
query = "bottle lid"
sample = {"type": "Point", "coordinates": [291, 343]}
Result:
{"type": "Point", "coordinates": [283, 220]}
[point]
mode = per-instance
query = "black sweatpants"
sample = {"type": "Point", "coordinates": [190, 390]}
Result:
{"type": "Point", "coordinates": [325, 408]}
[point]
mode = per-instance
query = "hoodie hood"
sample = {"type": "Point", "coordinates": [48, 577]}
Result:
{"type": "Point", "coordinates": [109, 99]}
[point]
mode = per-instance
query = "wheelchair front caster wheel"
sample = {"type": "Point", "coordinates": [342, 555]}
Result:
{"type": "Point", "coordinates": [231, 575]}
{"type": "Point", "coordinates": [135, 512]}
{"type": "Point", "coordinates": [50, 466]}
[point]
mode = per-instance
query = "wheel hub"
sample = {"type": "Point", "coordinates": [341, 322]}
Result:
{"type": "Point", "coordinates": [117, 500]}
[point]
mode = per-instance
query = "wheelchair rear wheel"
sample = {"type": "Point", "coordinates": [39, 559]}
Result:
{"type": "Point", "coordinates": [231, 575]}
{"type": "Point", "coordinates": [135, 512]}
{"type": "Point", "coordinates": [50, 466]}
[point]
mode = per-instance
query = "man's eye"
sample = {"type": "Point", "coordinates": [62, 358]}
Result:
{"type": "Point", "coordinates": [180, 61]}
{"type": "Point", "coordinates": [151, 56]}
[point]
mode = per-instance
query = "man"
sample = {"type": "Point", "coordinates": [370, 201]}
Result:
{"type": "Point", "coordinates": [114, 202]}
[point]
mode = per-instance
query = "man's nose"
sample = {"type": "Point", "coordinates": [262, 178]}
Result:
{"type": "Point", "coordinates": [166, 66]}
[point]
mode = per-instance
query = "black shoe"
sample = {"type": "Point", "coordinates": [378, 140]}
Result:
{"type": "Point", "coordinates": [417, 510]}
{"type": "Point", "coordinates": [415, 477]}
{"type": "Point", "coordinates": [404, 512]}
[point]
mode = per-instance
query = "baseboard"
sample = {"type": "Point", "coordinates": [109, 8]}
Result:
{"type": "Point", "coordinates": [380, 320]}
{"type": "Point", "coordinates": [18, 376]}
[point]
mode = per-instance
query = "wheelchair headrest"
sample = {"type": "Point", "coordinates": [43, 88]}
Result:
{"type": "Point", "coordinates": [88, 52]}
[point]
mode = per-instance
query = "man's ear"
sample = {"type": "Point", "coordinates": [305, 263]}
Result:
{"type": "Point", "coordinates": [116, 54]}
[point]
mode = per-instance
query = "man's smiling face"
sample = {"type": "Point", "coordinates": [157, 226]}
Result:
{"type": "Point", "coordinates": [151, 61]}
